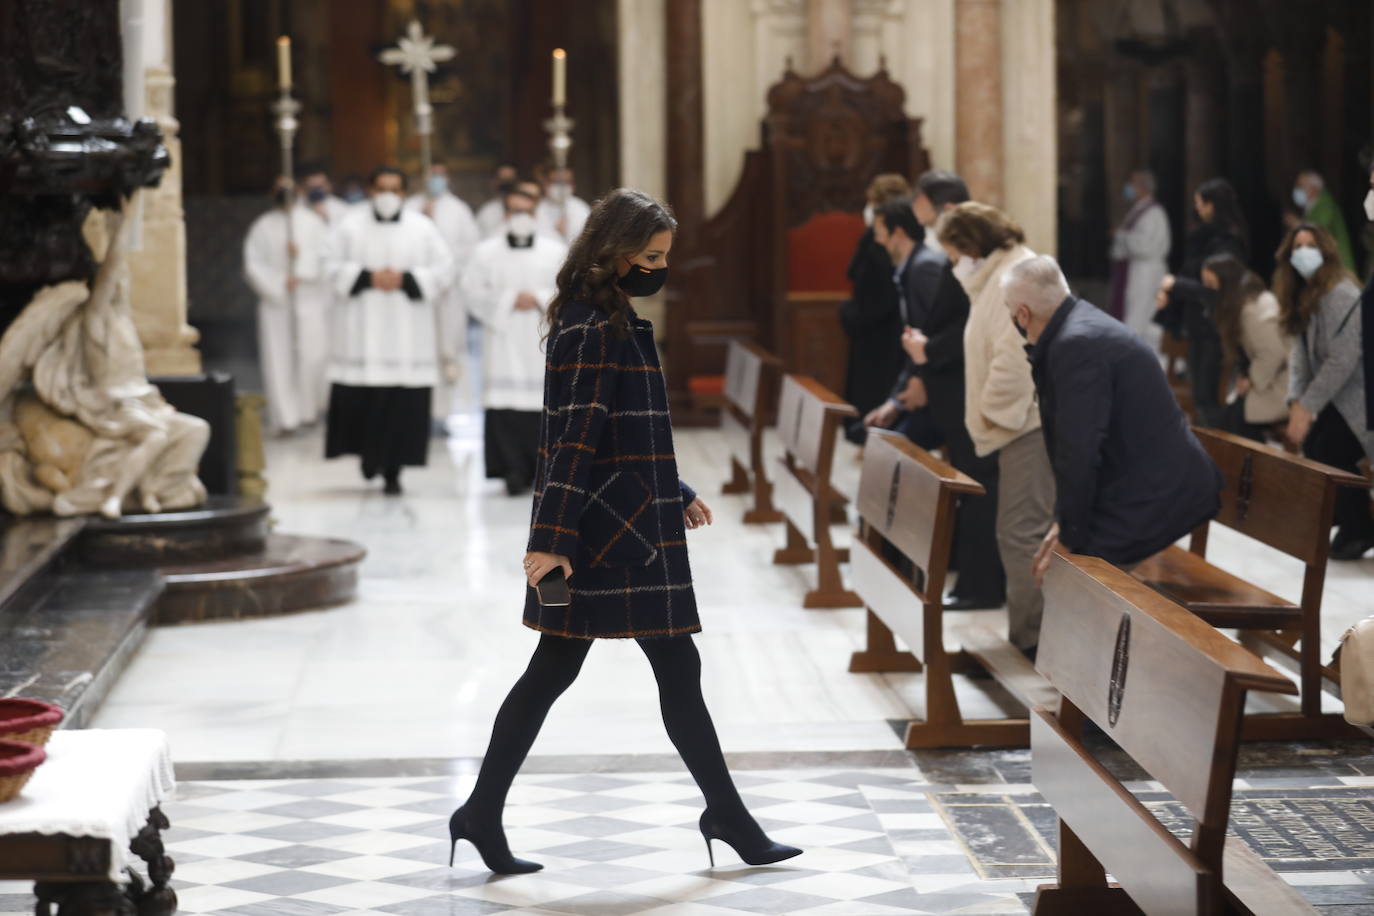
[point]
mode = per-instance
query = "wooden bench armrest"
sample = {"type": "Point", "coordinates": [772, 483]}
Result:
{"type": "Point", "coordinates": [1255, 887]}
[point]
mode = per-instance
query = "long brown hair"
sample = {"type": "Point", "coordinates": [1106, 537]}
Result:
{"type": "Point", "coordinates": [1239, 285]}
{"type": "Point", "coordinates": [1299, 298]}
{"type": "Point", "coordinates": [978, 229]}
{"type": "Point", "coordinates": [620, 226]}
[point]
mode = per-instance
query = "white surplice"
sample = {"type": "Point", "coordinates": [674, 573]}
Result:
{"type": "Point", "coordinates": [458, 226]}
{"type": "Point", "coordinates": [512, 340]}
{"type": "Point", "coordinates": [1143, 241]}
{"type": "Point", "coordinates": [491, 218]}
{"type": "Point", "coordinates": [385, 338]}
{"type": "Point", "coordinates": [573, 214]}
{"type": "Point", "coordinates": [293, 331]}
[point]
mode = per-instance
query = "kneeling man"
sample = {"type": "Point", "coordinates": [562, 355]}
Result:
{"type": "Point", "coordinates": [1132, 478]}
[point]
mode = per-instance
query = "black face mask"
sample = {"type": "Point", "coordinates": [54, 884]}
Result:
{"type": "Point", "coordinates": [279, 197]}
{"type": "Point", "coordinates": [505, 187]}
{"type": "Point", "coordinates": [1025, 335]}
{"type": "Point", "coordinates": [641, 281]}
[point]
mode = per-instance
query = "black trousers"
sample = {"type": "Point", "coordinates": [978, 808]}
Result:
{"type": "Point", "coordinates": [1331, 441]}
{"type": "Point", "coordinates": [1233, 421]}
{"type": "Point", "coordinates": [975, 554]}
{"type": "Point", "coordinates": [555, 665]}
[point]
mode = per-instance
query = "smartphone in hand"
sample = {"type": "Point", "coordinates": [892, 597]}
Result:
{"type": "Point", "coordinates": [552, 590]}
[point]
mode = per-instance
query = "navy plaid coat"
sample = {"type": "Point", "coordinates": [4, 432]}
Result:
{"type": "Point", "coordinates": [606, 489]}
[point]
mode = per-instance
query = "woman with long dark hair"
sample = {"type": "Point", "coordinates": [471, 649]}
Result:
{"type": "Point", "coordinates": [611, 513]}
{"type": "Point", "coordinates": [1187, 309]}
{"type": "Point", "coordinates": [1319, 306]}
{"type": "Point", "coordinates": [1253, 343]}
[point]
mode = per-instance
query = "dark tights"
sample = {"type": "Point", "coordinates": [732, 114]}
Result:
{"type": "Point", "coordinates": [555, 665]}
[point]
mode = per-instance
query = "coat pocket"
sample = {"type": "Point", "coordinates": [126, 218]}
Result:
{"type": "Point", "coordinates": [614, 519]}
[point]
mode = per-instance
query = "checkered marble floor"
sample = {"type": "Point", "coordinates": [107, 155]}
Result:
{"type": "Point", "coordinates": [878, 841]}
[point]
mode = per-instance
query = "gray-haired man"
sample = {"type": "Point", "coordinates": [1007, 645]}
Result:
{"type": "Point", "coordinates": [1132, 478]}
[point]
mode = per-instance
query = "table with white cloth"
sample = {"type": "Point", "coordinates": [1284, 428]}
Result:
{"type": "Point", "coordinates": [89, 810]}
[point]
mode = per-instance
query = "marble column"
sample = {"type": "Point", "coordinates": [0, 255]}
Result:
{"type": "Point", "coordinates": [685, 111]}
{"type": "Point", "coordinates": [1029, 129]}
{"type": "Point", "coordinates": [641, 60]}
{"type": "Point", "coordinates": [829, 33]}
{"type": "Point", "coordinates": [978, 97]}
{"type": "Point", "coordinates": [157, 268]}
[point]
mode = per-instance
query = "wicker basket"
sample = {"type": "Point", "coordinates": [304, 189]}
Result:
{"type": "Point", "coordinates": [29, 721]}
{"type": "Point", "coordinates": [17, 763]}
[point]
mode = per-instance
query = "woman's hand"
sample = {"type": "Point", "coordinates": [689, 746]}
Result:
{"type": "Point", "coordinates": [1242, 386]}
{"type": "Point", "coordinates": [1166, 286]}
{"type": "Point", "coordinates": [914, 343]}
{"type": "Point", "coordinates": [698, 514]}
{"type": "Point", "coordinates": [1299, 423]}
{"type": "Point", "coordinates": [538, 565]}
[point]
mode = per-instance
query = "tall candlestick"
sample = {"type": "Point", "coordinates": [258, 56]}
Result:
{"type": "Point", "coordinates": [560, 77]}
{"type": "Point", "coordinates": [284, 62]}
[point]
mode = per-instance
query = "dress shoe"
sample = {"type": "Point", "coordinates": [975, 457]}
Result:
{"type": "Point", "coordinates": [1352, 548]}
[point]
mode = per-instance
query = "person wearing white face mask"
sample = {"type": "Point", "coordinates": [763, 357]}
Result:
{"type": "Point", "coordinates": [456, 224]}
{"type": "Point", "coordinates": [389, 267]}
{"type": "Point", "coordinates": [561, 212]}
{"type": "Point", "coordinates": [509, 282]}
{"type": "Point", "coordinates": [999, 407]}
{"type": "Point", "coordinates": [1319, 308]}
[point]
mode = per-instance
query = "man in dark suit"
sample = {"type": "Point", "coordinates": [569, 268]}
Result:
{"type": "Point", "coordinates": [1132, 478]}
{"type": "Point", "coordinates": [934, 302]}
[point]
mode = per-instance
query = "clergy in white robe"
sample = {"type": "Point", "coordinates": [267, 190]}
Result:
{"type": "Point", "coordinates": [456, 224]}
{"type": "Point", "coordinates": [561, 212]}
{"type": "Point", "coordinates": [491, 216]}
{"type": "Point", "coordinates": [1139, 249]}
{"type": "Point", "coordinates": [507, 286]}
{"type": "Point", "coordinates": [389, 268]}
{"type": "Point", "coordinates": [293, 305]}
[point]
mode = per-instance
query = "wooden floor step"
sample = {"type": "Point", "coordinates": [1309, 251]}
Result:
{"type": "Point", "coordinates": [290, 573]}
{"type": "Point", "coordinates": [72, 645]}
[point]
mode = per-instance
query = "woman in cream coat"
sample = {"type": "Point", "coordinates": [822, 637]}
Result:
{"type": "Point", "coordinates": [1000, 410]}
{"type": "Point", "coordinates": [1253, 342]}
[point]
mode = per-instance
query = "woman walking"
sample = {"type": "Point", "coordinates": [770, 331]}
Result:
{"type": "Point", "coordinates": [611, 512]}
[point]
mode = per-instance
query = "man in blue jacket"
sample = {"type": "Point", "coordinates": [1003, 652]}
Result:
{"type": "Point", "coordinates": [1132, 478]}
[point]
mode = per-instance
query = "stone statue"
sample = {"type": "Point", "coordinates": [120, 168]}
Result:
{"type": "Point", "coordinates": [81, 429]}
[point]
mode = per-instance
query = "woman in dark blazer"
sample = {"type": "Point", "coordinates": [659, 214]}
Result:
{"type": "Point", "coordinates": [1187, 309]}
{"type": "Point", "coordinates": [610, 510]}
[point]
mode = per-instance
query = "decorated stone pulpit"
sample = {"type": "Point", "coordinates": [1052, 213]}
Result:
{"type": "Point", "coordinates": [103, 506]}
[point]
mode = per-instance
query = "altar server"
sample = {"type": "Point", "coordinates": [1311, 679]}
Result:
{"type": "Point", "coordinates": [507, 286]}
{"type": "Point", "coordinates": [293, 303]}
{"type": "Point", "coordinates": [389, 269]}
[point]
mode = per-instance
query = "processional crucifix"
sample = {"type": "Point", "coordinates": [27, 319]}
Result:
{"type": "Point", "coordinates": [417, 54]}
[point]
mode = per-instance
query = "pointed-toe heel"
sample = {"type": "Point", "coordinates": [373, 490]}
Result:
{"type": "Point", "coordinates": [757, 851]}
{"type": "Point", "coordinates": [492, 848]}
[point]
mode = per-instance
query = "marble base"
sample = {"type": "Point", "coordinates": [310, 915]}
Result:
{"type": "Point", "coordinates": [288, 574]}
{"type": "Point", "coordinates": [225, 526]}
{"type": "Point", "coordinates": [71, 644]}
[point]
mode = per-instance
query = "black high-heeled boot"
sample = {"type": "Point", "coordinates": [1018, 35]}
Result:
{"type": "Point", "coordinates": [496, 855]}
{"type": "Point", "coordinates": [753, 850]}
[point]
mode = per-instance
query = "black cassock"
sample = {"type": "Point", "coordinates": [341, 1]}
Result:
{"type": "Point", "coordinates": [511, 446]}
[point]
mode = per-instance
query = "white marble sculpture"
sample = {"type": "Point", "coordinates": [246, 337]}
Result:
{"type": "Point", "coordinates": [81, 429]}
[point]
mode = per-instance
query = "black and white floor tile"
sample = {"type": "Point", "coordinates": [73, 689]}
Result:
{"type": "Point", "coordinates": [878, 841]}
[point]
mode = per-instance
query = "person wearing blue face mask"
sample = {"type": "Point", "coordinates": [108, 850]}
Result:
{"type": "Point", "coordinates": [1319, 307]}
{"type": "Point", "coordinates": [1140, 246]}
{"type": "Point", "coordinates": [455, 222]}
{"type": "Point", "coordinates": [317, 193]}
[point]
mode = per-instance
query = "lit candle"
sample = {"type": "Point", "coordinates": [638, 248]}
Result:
{"type": "Point", "coordinates": [560, 77]}
{"type": "Point", "coordinates": [284, 62]}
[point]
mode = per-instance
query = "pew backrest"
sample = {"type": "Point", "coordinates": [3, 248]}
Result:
{"type": "Point", "coordinates": [1170, 691]}
{"type": "Point", "coordinates": [903, 491]}
{"type": "Point", "coordinates": [808, 414]}
{"type": "Point", "coordinates": [745, 388]}
{"type": "Point", "coordinates": [1282, 500]}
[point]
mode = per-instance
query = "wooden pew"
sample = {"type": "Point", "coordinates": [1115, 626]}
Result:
{"type": "Point", "coordinates": [750, 374]}
{"type": "Point", "coordinates": [907, 503]}
{"type": "Point", "coordinates": [1169, 690]}
{"type": "Point", "coordinates": [809, 417]}
{"type": "Point", "coordinates": [1286, 502]}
